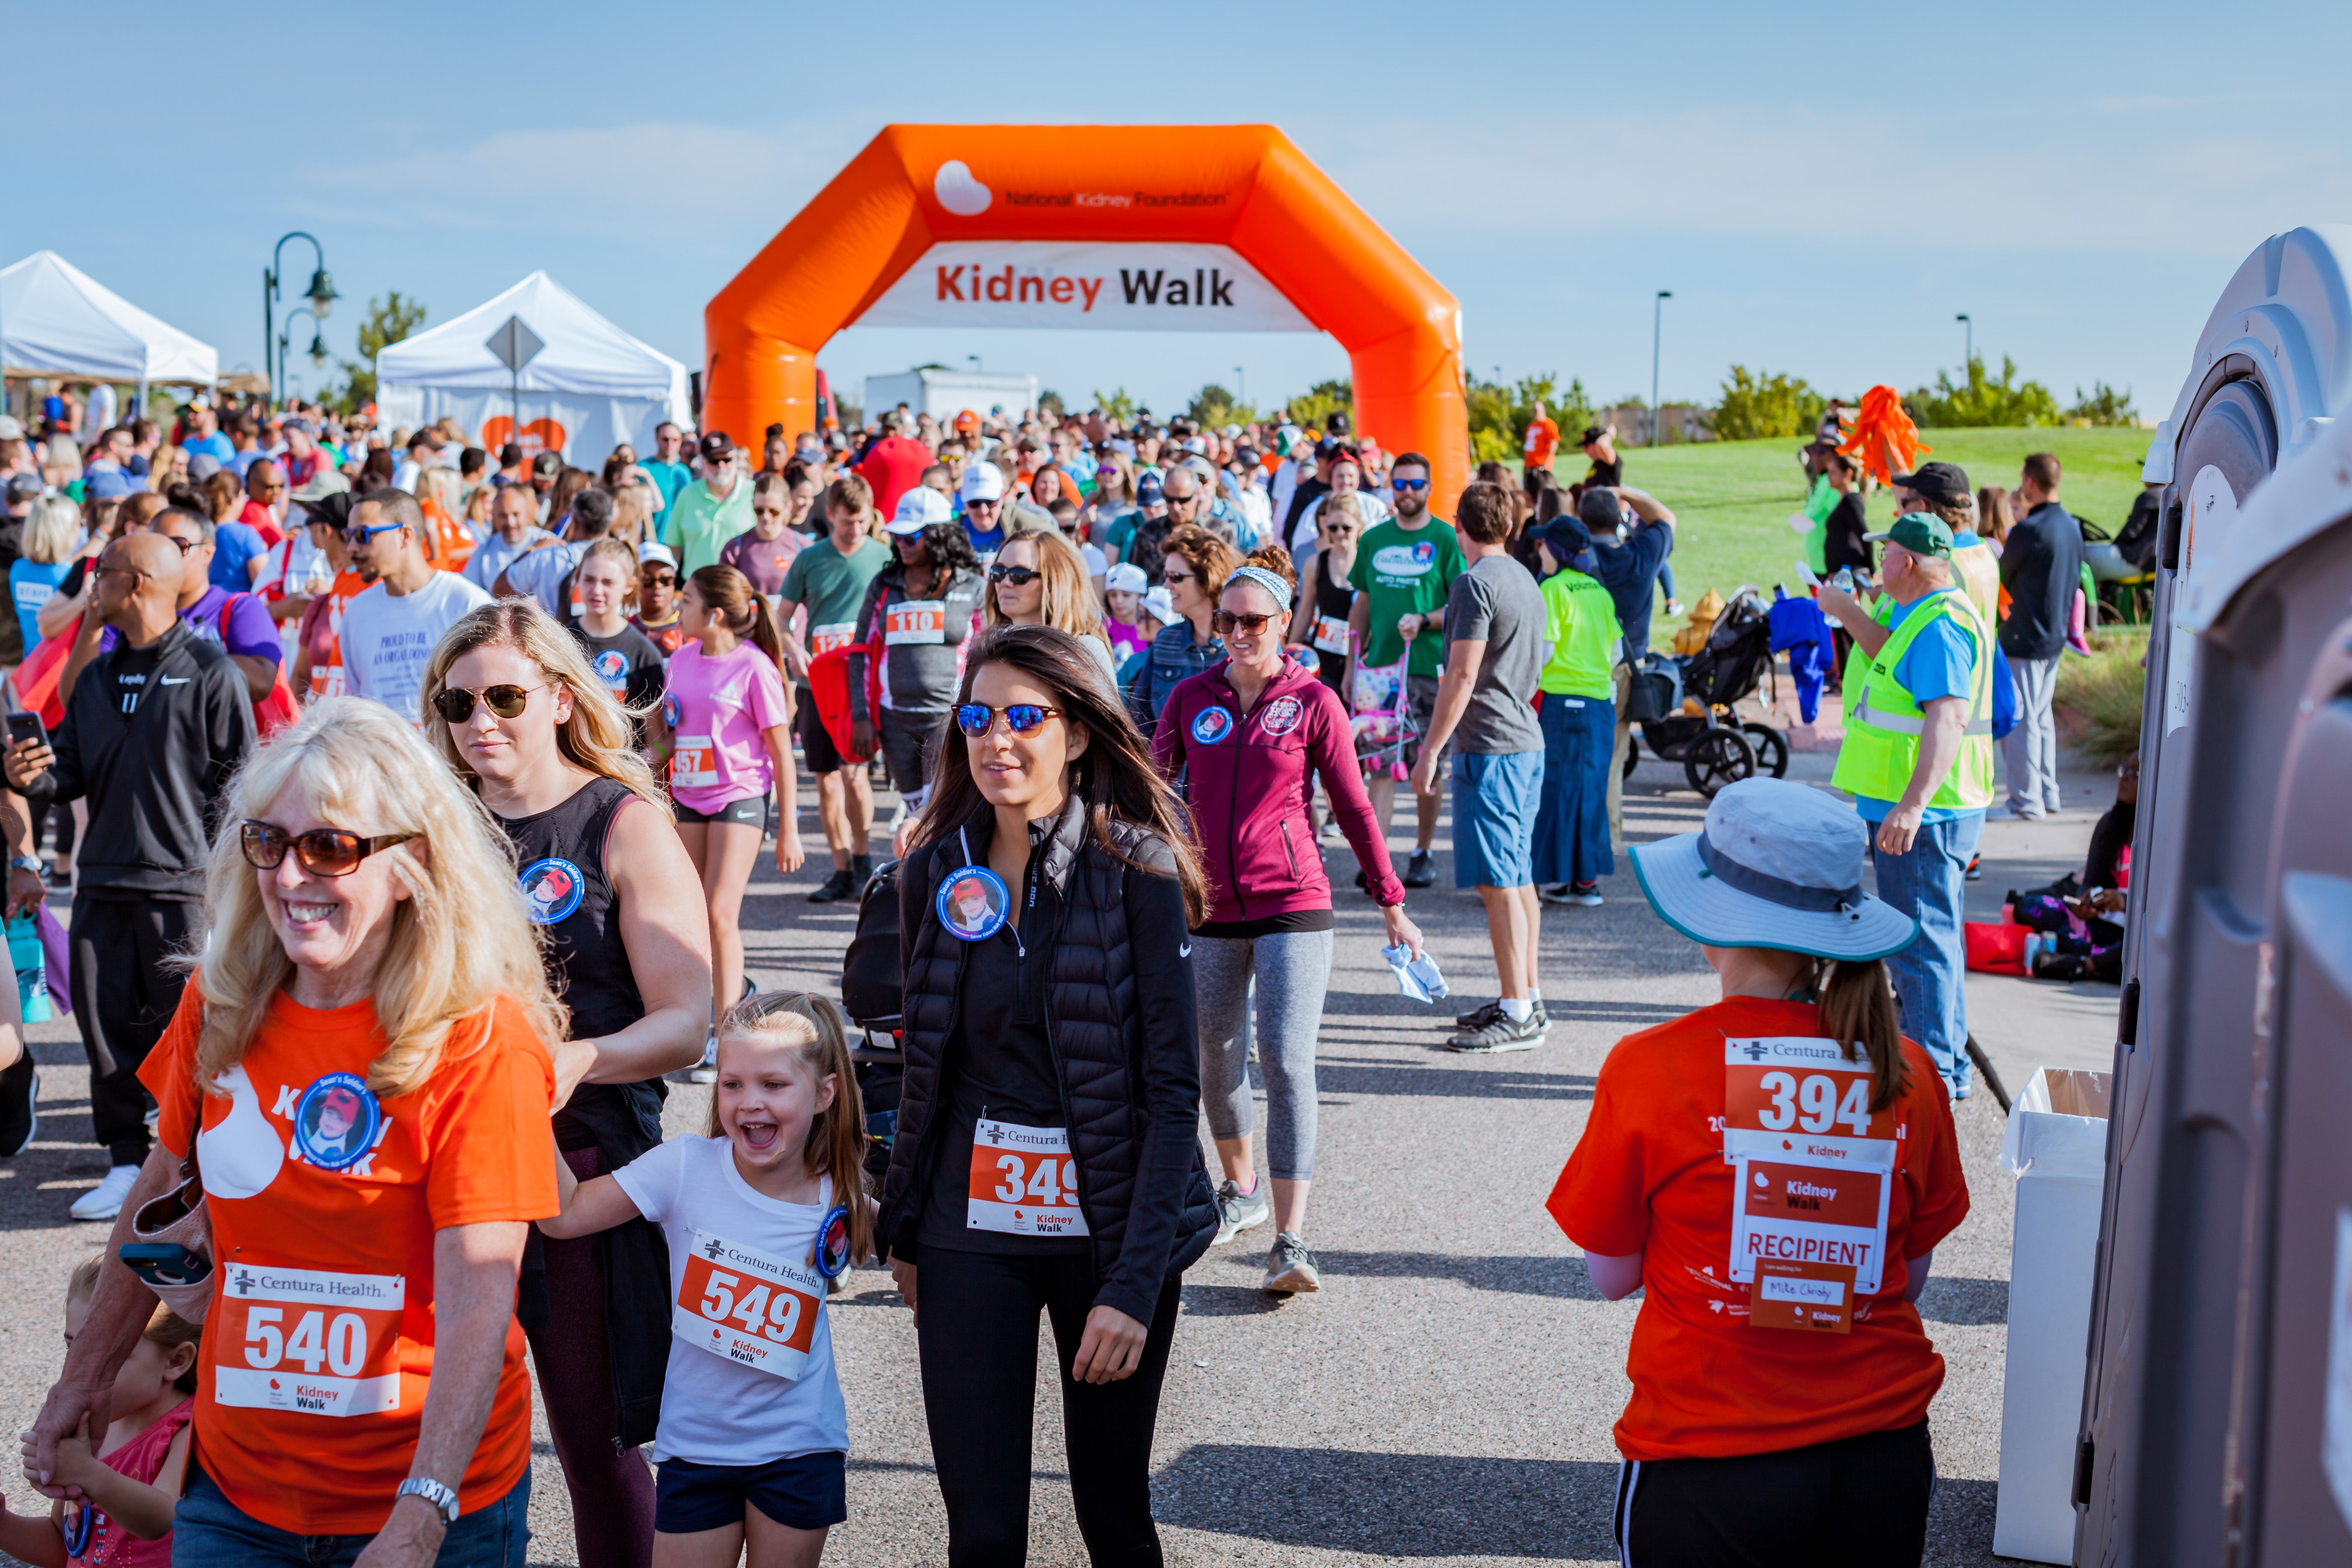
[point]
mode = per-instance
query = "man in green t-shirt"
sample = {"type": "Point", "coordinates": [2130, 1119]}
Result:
{"type": "Point", "coordinates": [831, 578]}
{"type": "Point", "coordinates": [1404, 569]}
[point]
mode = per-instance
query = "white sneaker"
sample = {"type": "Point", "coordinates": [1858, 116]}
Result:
{"type": "Point", "coordinates": [104, 1201]}
{"type": "Point", "coordinates": [706, 1069]}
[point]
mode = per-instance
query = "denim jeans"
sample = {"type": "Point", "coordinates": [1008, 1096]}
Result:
{"type": "Point", "coordinates": [1929, 883]}
{"type": "Point", "coordinates": [210, 1531]}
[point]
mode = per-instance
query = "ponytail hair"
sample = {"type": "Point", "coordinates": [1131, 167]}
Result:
{"type": "Point", "coordinates": [728, 595]}
{"type": "Point", "coordinates": [836, 1146]}
{"type": "Point", "coordinates": [1857, 1008]}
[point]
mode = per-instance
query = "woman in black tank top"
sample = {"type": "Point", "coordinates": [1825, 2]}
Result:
{"type": "Point", "coordinates": [628, 951]}
{"type": "Point", "coordinates": [1326, 597]}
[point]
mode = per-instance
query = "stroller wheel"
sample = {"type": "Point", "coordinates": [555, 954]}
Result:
{"type": "Point", "coordinates": [1771, 749]}
{"type": "Point", "coordinates": [1717, 756]}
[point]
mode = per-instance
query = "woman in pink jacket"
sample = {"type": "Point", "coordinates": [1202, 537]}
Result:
{"type": "Point", "coordinates": [1248, 734]}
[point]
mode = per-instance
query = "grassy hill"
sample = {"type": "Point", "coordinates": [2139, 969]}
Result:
{"type": "Point", "coordinates": [1732, 499]}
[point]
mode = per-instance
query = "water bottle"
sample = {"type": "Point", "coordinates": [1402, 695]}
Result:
{"type": "Point", "coordinates": [32, 977]}
{"type": "Point", "coordinates": [1843, 580]}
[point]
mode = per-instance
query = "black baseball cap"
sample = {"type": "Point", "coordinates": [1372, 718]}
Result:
{"type": "Point", "coordinates": [1938, 484]}
{"type": "Point", "coordinates": [1591, 432]}
{"type": "Point", "coordinates": [716, 447]}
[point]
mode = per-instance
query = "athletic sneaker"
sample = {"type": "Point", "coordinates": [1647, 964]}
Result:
{"type": "Point", "coordinates": [1237, 1211]}
{"type": "Point", "coordinates": [1478, 1018]}
{"type": "Point", "coordinates": [104, 1201]}
{"type": "Point", "coordinates": [1421, 871]}
{"type": "Point", "coordinates": [20, 1096]}
{"type": "Point", "coordinates": [1587, 894]}
{"type": "Point", "coordinates": [706, 1069]}
{"type": "Point", "coordinates": [1975, 873]}
{"type": "Point", "coordinates": [834, 888]}
{"type": "Point", "coordinates": [1289, 1266]}
{"type": "Point", "coordinates": [1502, 1033]}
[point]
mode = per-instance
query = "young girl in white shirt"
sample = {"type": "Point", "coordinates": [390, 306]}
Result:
{"type": "Point", "coordinates": [759, 1214]}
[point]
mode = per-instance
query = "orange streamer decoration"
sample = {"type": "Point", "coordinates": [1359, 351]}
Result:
{"type": "Point", "coordinates": [1884, 438]}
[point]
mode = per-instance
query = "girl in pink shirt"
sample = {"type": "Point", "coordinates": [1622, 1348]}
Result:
{"type": "Point", "coordinates": [725, 725]}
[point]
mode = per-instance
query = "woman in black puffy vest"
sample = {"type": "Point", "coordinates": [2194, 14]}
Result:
{"type": "Point", "coordinates": [1046, 1156]}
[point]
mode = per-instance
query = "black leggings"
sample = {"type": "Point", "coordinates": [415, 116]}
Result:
{"type": "Point", "coordinates": [978, 1334]}
{"type": "Point", "coordinates": [1859, 1502]}
{"type": "Point", "coordinates": [612, 1493]}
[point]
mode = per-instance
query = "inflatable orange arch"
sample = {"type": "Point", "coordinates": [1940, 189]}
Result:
{"type": "Point", "coordinates": [1056, 192]}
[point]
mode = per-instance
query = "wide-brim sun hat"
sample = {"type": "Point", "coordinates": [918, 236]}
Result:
{"type": "Point", "coordinates": [1777, 865]}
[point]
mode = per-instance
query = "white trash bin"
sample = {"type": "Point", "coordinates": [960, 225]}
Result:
{"type": "Point", "coordinates": [2057, 1148]}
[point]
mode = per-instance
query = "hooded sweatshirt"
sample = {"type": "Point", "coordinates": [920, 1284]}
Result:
{"type": "Point", "coordinates": [1248, 781]}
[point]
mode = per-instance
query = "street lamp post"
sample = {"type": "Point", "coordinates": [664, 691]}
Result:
{"type": "Point", "coordinates": [1969, 338]}
{"type": "Point", "coordinates": [1241, 387]}
{"type": "Point", "coordinates": [1657, 330]}
{"type": "Point", "coordinates": [318, 349]}
{"type": "Point", "coordinates": [320, 293]}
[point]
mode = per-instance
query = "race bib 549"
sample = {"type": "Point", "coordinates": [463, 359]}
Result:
{"type": "Point", "coordinates": [749, 1307]}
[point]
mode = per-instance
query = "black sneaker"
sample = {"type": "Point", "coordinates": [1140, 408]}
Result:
{"type": "Point", "coordinates": [861, 871]}
{"type": "Point", "coordinates": [1289, 1266]}
{"type": "Point", "coordinates": [1421, 871]}
{"type": "Point", "coordinates": [1975, 873]}
{"type": "Point", "coordinates": [1478, 1018]}
{"type": "Point", "coordinates": [1502, 1034]}
{"type": "Point", "coordinates": [833, 888]}
{"type": "Point", "coordinates": [20, 1095]}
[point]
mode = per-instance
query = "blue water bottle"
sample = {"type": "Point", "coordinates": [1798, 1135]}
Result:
{"type": "Point", "coordinates": [32, 969]}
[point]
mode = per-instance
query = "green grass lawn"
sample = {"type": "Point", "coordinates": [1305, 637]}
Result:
{"type": "Point", "coordinates": [1731, 499]}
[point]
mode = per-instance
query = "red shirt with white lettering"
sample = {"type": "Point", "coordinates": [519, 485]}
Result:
{"type": "Point", "coordinates": [324, 1200]}
{"type": "Point", "coordinates": [1649, 1176]}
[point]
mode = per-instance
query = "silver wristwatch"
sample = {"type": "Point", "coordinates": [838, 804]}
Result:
{"type": "Point", "coordinates": [432, 1491]}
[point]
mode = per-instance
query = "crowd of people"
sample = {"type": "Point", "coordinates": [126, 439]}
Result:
{"type": "Point", "coordinates": [297, 701]}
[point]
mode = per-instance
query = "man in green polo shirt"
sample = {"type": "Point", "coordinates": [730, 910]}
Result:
{"type": "Point", "coordinates": [1404, 569]}
{"type": "Point", "coordinates": [704, 517]}
{"type": "Point", "coordinates": [1917, 759]}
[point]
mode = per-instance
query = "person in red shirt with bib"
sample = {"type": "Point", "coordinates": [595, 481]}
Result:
{"type": "Point", "coordinates": [360, 1067]}
{"type": "Point", "coordinates": [1775, 1170]}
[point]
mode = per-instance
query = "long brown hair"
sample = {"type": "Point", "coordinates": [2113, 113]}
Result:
{"type": "Point", "coordinates": [1115, 778]}
{"type": "Point", "coordinates": [1857, 1008]}
{"type": "Point", "coordinates": [728, 595]}
{"type": "Point", "coordinates": [1209, 557]}
{"type": "Point", "coordinates": [836, 1146]}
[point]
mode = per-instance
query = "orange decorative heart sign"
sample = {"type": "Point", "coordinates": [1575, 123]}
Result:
{"type": "Point", "coordinates": [539, 435]}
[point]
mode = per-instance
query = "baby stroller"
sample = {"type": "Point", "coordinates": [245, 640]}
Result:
{"type": "Point", "coordinates": [871, 987]}
{"type": "Point", "coordinates": [1382, 723]}
{"type": "Point", "coordinates": [1715, 745]}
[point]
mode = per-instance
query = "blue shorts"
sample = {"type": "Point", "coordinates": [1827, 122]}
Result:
{"type": "Point", "coordinates": [1495, 800]}
{"type": "Point", "coordinates": [808, 1491]}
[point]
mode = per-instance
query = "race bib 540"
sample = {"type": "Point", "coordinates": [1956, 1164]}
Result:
{"type": "Point", "coordinates": [307, 1340]}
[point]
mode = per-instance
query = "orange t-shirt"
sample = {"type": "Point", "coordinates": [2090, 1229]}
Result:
{"type": "Point", "coordinates": [1543, 440]}
{"type": "Point", "coordinates": [324, 1201]}
{"type": "Point", "coordinates": [453, 543]}
{"type": "Point", "coordinates": [1649, 1176]}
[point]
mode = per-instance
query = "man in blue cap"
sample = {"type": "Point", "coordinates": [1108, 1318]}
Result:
{"type": "Point", "coordinates": [1917, 759]}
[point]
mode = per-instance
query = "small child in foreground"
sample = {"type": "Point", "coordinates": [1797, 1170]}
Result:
{"type": "Point", "coordinates": [753, 1436]}
{"type": "Point", "coordinates": [131, 1477]}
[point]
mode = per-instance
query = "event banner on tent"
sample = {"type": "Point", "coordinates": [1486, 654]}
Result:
{"type": "Point", "coordinates": [1117, 287]}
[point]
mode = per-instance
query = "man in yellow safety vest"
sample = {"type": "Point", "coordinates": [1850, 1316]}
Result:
{"type": "Point", "coordinates": [1918, 760]}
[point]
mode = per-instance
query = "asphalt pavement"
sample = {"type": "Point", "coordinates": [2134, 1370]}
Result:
{"type": "Point", "coordinates": [1449, 1392]}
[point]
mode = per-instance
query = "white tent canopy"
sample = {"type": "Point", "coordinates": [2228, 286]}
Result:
{"type": "Point", "coordinates": [57, 320]}
{"type": "Point", "coordinates": [590, 387]}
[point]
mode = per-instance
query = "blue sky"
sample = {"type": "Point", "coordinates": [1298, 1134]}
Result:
{"type": "Point", "coordinates": [1821, 187]}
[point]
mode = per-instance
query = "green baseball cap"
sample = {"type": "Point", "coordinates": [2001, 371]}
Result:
{"type": "Point", "coordinates": [1920, 533]}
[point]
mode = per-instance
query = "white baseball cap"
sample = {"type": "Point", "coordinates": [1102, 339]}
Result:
{"type": "Point", "coordinates": [982, 481]}
{"type": "Point", "coordinates": [1126, 577]}
{"type": "Point", "coordinates": [918, 508]}
{"type": "Point", "coordinates": [651, 550]}
{"type": "Point", "coordinates": [1159, 603]}
{"type": "Point", "coordinates": [1777, 865]}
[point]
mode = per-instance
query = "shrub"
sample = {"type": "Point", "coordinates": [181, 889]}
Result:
{"type": "Point", "coordinates": [1310, 408]}
{"type": "Point", "coordinates": [2106, 690]}
{"type": "Point", "coordinates": [1500, 412]}
{"type": "Point", "coordinates": [1754, 405]}
{"type": "Point", "coordinates": [1981, 400]}
{"type": "Point", "coordinates": [2104, 405]}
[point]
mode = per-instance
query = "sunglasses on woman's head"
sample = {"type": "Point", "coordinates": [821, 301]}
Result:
{"type": "Point", "coordinates": [977, 719]}
{"type": "Point", "coordinates": [1225, 621]}
{"type": "Point", "coordinates": [322, 851]}
{"type": "Point", "coordinates": [456, 704]}
{"type": "Point", "coordinates": [1019, 576]}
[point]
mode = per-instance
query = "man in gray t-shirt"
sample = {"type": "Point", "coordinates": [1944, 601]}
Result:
{"type": "Point", "coordinates": [1496, 650]}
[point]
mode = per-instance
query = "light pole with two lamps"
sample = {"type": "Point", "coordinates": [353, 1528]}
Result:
{"type": "Point", "coordinates": [322, 295]}
{"type": "Point", "coordinates": [1657, 330]}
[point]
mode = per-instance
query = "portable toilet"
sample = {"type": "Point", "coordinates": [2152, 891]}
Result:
{"type": "Point", "coordinates": [2217, 1412]}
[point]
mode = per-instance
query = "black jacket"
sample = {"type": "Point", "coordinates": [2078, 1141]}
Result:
{"type": "Point", "coordinates": [155, 779]}
{"type": "Point", "coordinates": [2042, 567]}
{"type": "Point", "coordinates": [1121, 1021]}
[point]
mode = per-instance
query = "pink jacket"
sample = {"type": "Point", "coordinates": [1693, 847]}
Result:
{"type": "Point", "coordinates": [1249, 781]}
